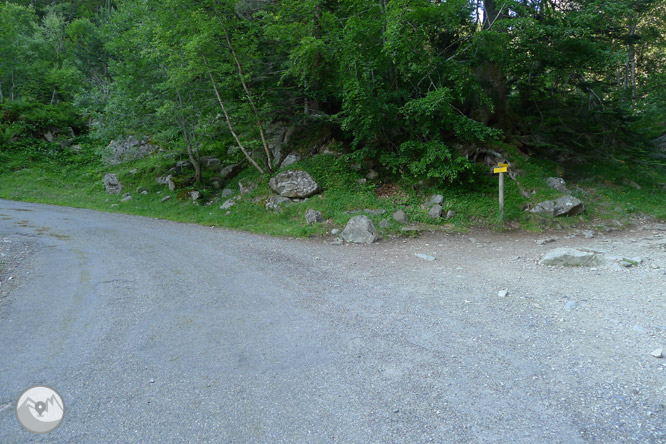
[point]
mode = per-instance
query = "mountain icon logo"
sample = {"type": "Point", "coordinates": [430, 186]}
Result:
{"type": "Point", "coordinates": [40, 409]}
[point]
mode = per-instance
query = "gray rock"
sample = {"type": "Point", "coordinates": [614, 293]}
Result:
{"type": "Point", "coordinates": [570, 257]}
{"type": "Point", "coordinates": [246, 187]}
{"type": "Point", "coordinates": [335, 231]}
{"type": "Point", "coordinates": [503, 293]}
{"type": "Point", "coordinates": [129, 148]}
{"type": "Point", "coordinates": [294, 183]}
{"type": "Point", "coordinates": [194, 195]}
{"type": "Point", "coordinates": [231, 171]}
{"type": "Point", "coordinates": [546, 240]}
{"type": "Point", "coordinates": [211, 163]}
{"type": "Point", "coordinates": [313, 216]}
{"type": "Point", "coordinates": [337, 241]}
{"type": "Point", "coordinates": [144, 192]}
{"type": "Point", "coordinates": [435, 199]}
{"type": "Point", "coordinates": [360, 229]}
{"type": "Point", "coordinates": [163, 180]}
{"type": "Point", "coordinates": [126, 198]}
{"type": "Point", "coordinates": [372, 174]}
{"type": "Point", "coordinates": [170, 183]}
{"type": "Point", "coordinates": [228, 204]}
{"type": "Point", "coordinates": [384, 224]}
{"type": "Point", "coordinates": [401, 217]}
{"type": "Point", "coordinates": [134, 171]}
{"type": "Point", "coordinates": [362, 181]}
{"type": "Point", "coordinates": [375, 212]}
{"type": "Point", "coordinates": [112, 184]}
{"type": "Point", "coordinates": [227, 192]}
{"type": "Point", "coordinates": [165, 198]}
{"type": "Point", "coordinates": [450, 214]}
{"type": "Point", "coordinates": [658, 353]}
{"type": "Point", "coordinates": [274, 202]}
{"type": "Point", "coordinates": [564, 206]}
{"type": "Point", "coordinates": [627, 262]}
{"type": "Point", "coordinates": [557, 183]}
{"type": "Point", "coordinates": [425, 257]}
{"type": "Point", "coordinates": [588, 234]}
{"type": "Point", "coordinates": [291, 159]}
{"type": "Point", "coordinates": [571, 305]}
{"type": "Point", "coordinates": [48, 136]}
{"type": "Point", "coordinates": [435, 212]}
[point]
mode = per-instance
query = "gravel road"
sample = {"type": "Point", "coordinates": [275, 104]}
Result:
{"type": "Point", "coordinates": [156, 332]}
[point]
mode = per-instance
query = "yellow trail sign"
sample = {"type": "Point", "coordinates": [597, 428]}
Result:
{"type": "Point", "coordinates": [503, 165]}
{"type": "Point", "coordinates": [500, 170]}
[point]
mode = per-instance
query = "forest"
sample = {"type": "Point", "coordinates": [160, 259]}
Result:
{"type": "Point", "coordinates": [418, 88]}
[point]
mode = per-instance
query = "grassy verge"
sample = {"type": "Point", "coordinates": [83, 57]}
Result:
{"type": "Point", "coordinates": [609, 190]}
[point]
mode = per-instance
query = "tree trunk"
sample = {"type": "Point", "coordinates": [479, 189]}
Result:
{"type": "Point", "coordinates": [490, 74]}
{"type": "Point", "coordinates": [194, 160]}
{"type": "Point", "coordinates": [269, 160]}
{"type": "Point", "coordinates": [226, 116]}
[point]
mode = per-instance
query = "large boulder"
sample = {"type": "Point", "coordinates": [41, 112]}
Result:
{"type": "Point", "coordinates": [557, 183]}
{"type": "Point", "coordinates": [360, 229]}
{"type": "Point", "coordinates": [564, 206]}
{"type": "Point", "coordinates": [570, 257]}
{"type": "Point", "coordinates": [298, 184]}
{"type": "Point", "coordinates": [112, 184]}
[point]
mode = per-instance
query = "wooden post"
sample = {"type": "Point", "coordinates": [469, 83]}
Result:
{"type": "Point", "coordinates": [501, 169]}
{"type": "Point", "coordinates": [501, 197]}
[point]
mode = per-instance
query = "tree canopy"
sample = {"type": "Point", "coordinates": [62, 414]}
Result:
{"type": "Point", "coordinates": [412, 84]}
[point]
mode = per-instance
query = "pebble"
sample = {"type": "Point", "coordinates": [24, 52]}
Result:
{"type": "Point", "coordinates": [545, 241]}
{"type": "Point", "coordinates": [658, 353]}
{"type": "Point", "coordinates": [425, 256]}
{"type": "Point", "coordinates": [335, 231]}
{"type": "Point", "coordinates": [165, 198]}
{"type": "Point", "coordinates": [152, 381]}
{"type": "Point", "coordinates": [502, 293]}
{"type": "Point", "coordinates": [571, 305]}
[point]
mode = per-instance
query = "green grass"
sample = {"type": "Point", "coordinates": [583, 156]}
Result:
{"type": "Point", "coordinates": [65, 178]}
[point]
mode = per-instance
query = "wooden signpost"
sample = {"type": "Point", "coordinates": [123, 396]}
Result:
{"type": "Point", "coordinates": [501, 169]}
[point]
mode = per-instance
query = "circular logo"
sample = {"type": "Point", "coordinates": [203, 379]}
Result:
{"type": "Point", "coordinates": [40, 409]}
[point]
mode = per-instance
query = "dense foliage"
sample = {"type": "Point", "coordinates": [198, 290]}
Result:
{"type": "Point", "coordinates": [413, 84]}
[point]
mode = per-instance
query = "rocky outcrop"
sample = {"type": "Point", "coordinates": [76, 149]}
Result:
{"type": "Point", "coordinates": [295, 184]}
{"type": "Point", "coordinates": [129, 148]}
{"type": "Point", "coordinates": [360, 229]}
{"type": "Point", "coordinates": [112, 184]}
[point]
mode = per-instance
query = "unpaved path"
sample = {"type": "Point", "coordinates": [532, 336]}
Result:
{"type": "Point", "coordinates": [156, 331]}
